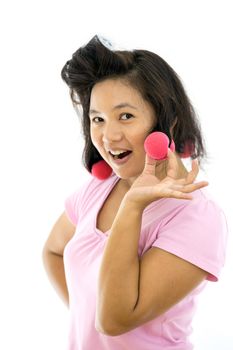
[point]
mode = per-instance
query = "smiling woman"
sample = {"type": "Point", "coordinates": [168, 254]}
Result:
{"type": "Point", "coordinates": [145, 74]}
{"type": "Point", "coordinates": [114, 133]}
{"type": "Point", "coordinates": [147, 239]}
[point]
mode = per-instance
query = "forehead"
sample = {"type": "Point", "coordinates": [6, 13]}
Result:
{"type": "Point", "coordinates": [114, 92]}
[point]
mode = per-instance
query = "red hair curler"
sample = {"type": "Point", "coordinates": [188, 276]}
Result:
{"type": "Point", "coordinates": [156, 145]}
{"type": "Point", "coordinates": [101, 170]}
{"type": "Point", "coordinates": [189, 149]}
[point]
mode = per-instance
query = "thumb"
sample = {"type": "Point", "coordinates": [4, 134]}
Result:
{"type": "Point", "coordinates": [150, 163]}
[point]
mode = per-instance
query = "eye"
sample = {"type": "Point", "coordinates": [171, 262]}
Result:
{"type": "Point", "coordinates": [124, 114]}
{"type": "Point", "coordinates": [128, 114]}
{"type": "Point", "coordinates": [93, 120]}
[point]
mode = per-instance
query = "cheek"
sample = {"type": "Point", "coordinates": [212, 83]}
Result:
{"type": "Point", "coordinates": [94, 137]}
{"type": "Point", "coordinates": [139, 139]}
{"type": "Point", "coordinates": [97, 142]}
{"type": "Point", "coordinates": [92, 133]}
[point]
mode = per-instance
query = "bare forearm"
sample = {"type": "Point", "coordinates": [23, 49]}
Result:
{"type": "Point", "coordinates": [119, 272]}
{"type": "Point", "coordinates": [54, 267]}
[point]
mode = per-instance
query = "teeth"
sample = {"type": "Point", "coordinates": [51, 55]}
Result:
{"type": "Point", "coordinates": [116, 153]}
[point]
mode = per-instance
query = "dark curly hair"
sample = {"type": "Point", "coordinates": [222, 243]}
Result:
{"type": "Point", "coordinates": [145, 71]}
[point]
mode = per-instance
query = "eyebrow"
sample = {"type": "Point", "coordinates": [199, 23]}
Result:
{"type": "Point", "coordinates": [121, 105]}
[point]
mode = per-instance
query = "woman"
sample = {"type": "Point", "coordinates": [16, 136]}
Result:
{"type": "Point", "coordinates": [141, 241]}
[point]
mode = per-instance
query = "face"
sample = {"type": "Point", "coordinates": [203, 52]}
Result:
{"type": "Point", "coordinates": [117, 127]}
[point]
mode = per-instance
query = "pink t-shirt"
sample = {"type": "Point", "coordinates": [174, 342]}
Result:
{"type": "Point", "coordinates": [195, 230]}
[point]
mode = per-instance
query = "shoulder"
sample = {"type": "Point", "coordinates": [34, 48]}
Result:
{"type": "Point", "coordinates": [95, 188]}
{"type": "Point", "coordinates": [196, 230]}
{"type": "Point", "coordinates": [90, 190]}
{"type": "Point", "coordinates": [201, 214]}
{"type": "Point", "coordinates": [205, 207]}
{"type": "Point", "coordinates": [202, 205]}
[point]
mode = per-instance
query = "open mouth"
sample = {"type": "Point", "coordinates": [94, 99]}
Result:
{"type": "Point", "coordinates": [121, 156]}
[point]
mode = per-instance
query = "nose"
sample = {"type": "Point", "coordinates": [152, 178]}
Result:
{"type": "Point", "coordinates": [111, 133]}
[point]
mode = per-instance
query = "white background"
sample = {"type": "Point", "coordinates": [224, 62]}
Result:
{"type": "Point", "coordinates": [41, 145]}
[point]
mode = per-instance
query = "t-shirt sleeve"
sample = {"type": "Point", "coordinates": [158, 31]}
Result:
{"type": "Point", "coordinates": [72, 206]}
{"type": "Point", "coordinates": [74, 201]}
{"type": "Point", "coordinates": [197, 232]}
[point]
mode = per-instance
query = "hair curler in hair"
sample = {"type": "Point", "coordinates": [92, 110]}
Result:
{"type": "Point", "coordinates": [189, 149]}
{"type": "Point", "coordinates": [156, 145]}
{"type": "Point", "coordinates": [101, 170]}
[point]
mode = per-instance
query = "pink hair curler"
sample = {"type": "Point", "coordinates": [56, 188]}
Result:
{"type": "Point", "coordinates": [101, 170]}
{"type": "Point", "coordinates": [189, 149]}
{"type": "Point", "coordinates": [156, 145]}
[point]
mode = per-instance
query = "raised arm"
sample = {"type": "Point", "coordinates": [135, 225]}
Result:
{"type": "Point", "coordinates": [132, 291]}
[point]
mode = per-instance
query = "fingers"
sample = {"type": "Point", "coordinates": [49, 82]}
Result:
{"type": "Point", "coordinates": [172, 168]}
{"type": "Point", "coordinates": [190, 178]}
{"type": "Point", "coordinates": [193, 173]}
{"type": "Point", "coordinates": [195, 186]}
{"type": "Point", "coordinates": [181, 195]}
{"type": "Point", "coordinates": [190, 187]}
{"type": "Point", "coordinates": [183, 192]}
{"type": "Point", "coordinates": [175, 192]}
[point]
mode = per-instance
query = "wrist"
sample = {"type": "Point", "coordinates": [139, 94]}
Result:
{"type": "Point", "coordinates": [129, 204]}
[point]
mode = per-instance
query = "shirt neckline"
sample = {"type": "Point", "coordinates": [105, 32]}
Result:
{"type": "Point", "coordinates": [98, 231]}
{"type": "Point", "coordinates": [106, 233]}
{"type": "Point", "coordinates": [110, 188]}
